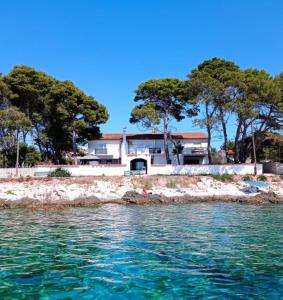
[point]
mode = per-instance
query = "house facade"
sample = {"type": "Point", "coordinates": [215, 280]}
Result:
{"type": "Point", "coordinates": [140, 151]}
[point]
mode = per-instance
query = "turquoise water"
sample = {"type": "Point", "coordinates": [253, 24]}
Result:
{"type": "Point", "coordinates": [198, 251]}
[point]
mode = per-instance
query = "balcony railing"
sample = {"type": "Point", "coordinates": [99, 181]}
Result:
{"type": "Point", "coordinates": [154, 150]}
{"type": "Point", "coordinates": [100, 151]}
{"type": "Point", "coordinates": [199, 151]}
{"type": "Point", "coordinates": [195, 151]}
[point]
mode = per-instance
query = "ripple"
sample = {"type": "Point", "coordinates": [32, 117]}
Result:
{"type": "Point", "coordinates": [211, 251]}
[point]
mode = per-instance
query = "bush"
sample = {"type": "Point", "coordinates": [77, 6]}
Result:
{"type": "Point", "coordinates": [171, 185]}
{"type": "Point", "coordinates": [223, 177]}
{"type": "Point", "coordinates": [29, 156]}
{"type": "Point", "coordinates": [147, 185]}
{"type": "Point", "coordinates": [59, 172]}
{"type": "Point", "coordinates": [262, 178]}
{"type": "Point", "coordinates": [247, 178]}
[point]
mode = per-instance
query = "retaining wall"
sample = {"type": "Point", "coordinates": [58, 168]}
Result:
{"type": "Point", "coordinates": [119, 170]}
{"type": "Point", "coordinates": [241, 169]}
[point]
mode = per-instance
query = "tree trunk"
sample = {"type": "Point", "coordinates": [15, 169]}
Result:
{"type": "Point", "coordinates": [243, 147]}
{"type": "Point", "coordinates": [237, 148]}
{"type": "Point", "coordinates": [74, 146]}
{"type": "Point", "coordinates": [175, 146]}
{"type": "Point", "coordinates": [17, 153]}
{"type": "Point", "coordinates": [165, 138]}
{"type": "Point", "coordinates": [208, 128]}
{"type": "Point", "coordinates": [225, 135]}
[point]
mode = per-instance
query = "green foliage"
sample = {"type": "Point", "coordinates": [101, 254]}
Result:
{"type": "Point", "coordinates": [247, 178]}
{"type": "Point", "coordinates": [146, 115]}
{"type": "Point", "coordinates": [178, 148]}
{"type": "Point", "coordinates": [279, 83]}
{"type": "Point", "coordinates": [59, 172]}
{"type": "Point", "coordinates": [211, 86]}
{"type": "Point", "coordinates": [13, 119]}
{"type": "Point", "coordinates": [223, 177]}
{"type": "Point", "coordinates": [12, 122]}
{"type": "Point", "coordinates": [252, 96]}
{"type": "Point", "coordinates": [262, 178]}
{"type": "Point", "coordinates": [60, 113]}
{"type": "Point", "coordinates": [147, 184]}
{"type": "Point", "coordinates": [29, 156]}
{"type": "Point", "coordinates": [171, 184]}
{"type": "Point", "coordinates": [162, 101]}
{"type": "Point", "coordinates": [270, 147]}
{"type": "Point", "coordinates": [9, 192]}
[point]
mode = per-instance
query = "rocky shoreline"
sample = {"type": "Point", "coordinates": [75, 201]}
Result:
{"type": "Point", "coordinates": [134, 198]}
{"type": "Point", "coordinates": [48, 193]}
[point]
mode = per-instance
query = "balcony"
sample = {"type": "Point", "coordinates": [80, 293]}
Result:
{"type": "Point", "coordinates": [100, 151]}
{"type": "Point", "coordinates": [199, 151]}
{"type": "Point", "coordinates": [195, 151]}
{"type": "Point", "coordinates": [154, 150]}
{"type": "Point", "coordinates": [144, 151]}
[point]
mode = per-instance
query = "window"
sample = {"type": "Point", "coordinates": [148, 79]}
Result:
{"type": "Point", "coordinates": [100, 151]}
{"type": "Point", "coordinates": [188, 160]}
{"type": "Point", "coordinates": [100, 148]}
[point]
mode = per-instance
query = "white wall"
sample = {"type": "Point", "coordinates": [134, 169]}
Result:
{"type": "Point", "coordinates": [112, 146]}
{"type": "Point", "coordinates": [11, 172]}
{"type": "Point", "coordinates": [241, 169]}
{"type": "Point", "coordinates": [187, 143]}
{"type": "Point", "coordinates": [98, 170]}
{"type": "Point", "coordinates": [140, 147]}
{"type": "Point", "coordinates": [159, 159]}
{"type": "Point", "coordinates": [194, 143]}
{"type": "Point", "coordinates": [118, 170]}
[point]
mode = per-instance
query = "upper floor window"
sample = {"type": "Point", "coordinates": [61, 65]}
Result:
{"type": "Point", "coordinates": [100, 148]}
{"type": "Point", "coordinates": [100, 151]}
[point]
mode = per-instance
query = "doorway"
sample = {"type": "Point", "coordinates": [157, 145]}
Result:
{"type": "Point", "coordinates": [139, 164]}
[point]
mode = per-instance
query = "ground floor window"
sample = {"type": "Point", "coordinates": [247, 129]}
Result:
{"type": "Point", "coordinates": [189, 160]}
{"type": "Point", "coordinates": [101, 162]}
{"type": "Point", "coordinates": [109, 161]}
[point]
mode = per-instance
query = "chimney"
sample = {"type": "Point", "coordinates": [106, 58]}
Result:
{"type": "Point", "coordinates": [124, 134]}
{"type": "Point", "coordinates": [124, 147]}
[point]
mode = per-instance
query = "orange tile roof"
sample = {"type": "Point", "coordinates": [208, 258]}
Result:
{"type": "Point", "coordinates": [111, 136]}
{"type": "Point", "coordinates": [140, 136]}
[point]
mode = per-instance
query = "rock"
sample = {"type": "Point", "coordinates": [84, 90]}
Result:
{"type": "Point", "coordinates": [136, 198]}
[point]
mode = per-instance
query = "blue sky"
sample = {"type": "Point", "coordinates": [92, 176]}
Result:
{"type": "Point", "coordinates": [108, 48]}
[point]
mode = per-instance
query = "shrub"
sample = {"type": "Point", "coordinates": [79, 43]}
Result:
{"type": "Point", "coordinates": [247, 178]}
{"type": "Point", "coordinates": [262, 178]}
{"type": "Point", "coordinates": [147, 185]}
{"type": "Point", "coordinates": [223, 177]}
{"type": "Point", "coordinates": [9, 192]}
{"type": "Point", "coordinates": [59, 172]}
{"type": "Point", "coordinates": [171, 184]}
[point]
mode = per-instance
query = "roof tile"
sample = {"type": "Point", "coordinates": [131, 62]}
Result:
{"type": "Point", "coordinates": [140, 136]}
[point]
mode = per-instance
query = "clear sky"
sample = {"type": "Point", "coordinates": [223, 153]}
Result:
{"type": "Point", "coordinates": [107, 48]}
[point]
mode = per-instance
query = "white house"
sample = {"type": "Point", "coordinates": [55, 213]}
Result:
{"type": "Point", "coordinates": [140, 151]}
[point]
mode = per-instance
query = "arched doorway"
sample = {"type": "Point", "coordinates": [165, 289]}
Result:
{"type": "Point", "coordinates": [139, 164]}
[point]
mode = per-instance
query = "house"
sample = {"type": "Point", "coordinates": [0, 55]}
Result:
{"type": "Point", "coordinates": [140, 151]}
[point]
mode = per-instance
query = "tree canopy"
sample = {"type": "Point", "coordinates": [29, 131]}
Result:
{"type": "Point", "coordinates": [226, 100]}
{"type": "Point", "coordinates": [162, 101]}
{"type": "Point", "coordinates": [59, 113]}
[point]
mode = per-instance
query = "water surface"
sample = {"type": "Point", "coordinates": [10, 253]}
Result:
{"type": "Point", "coordinates": [192, 251]}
